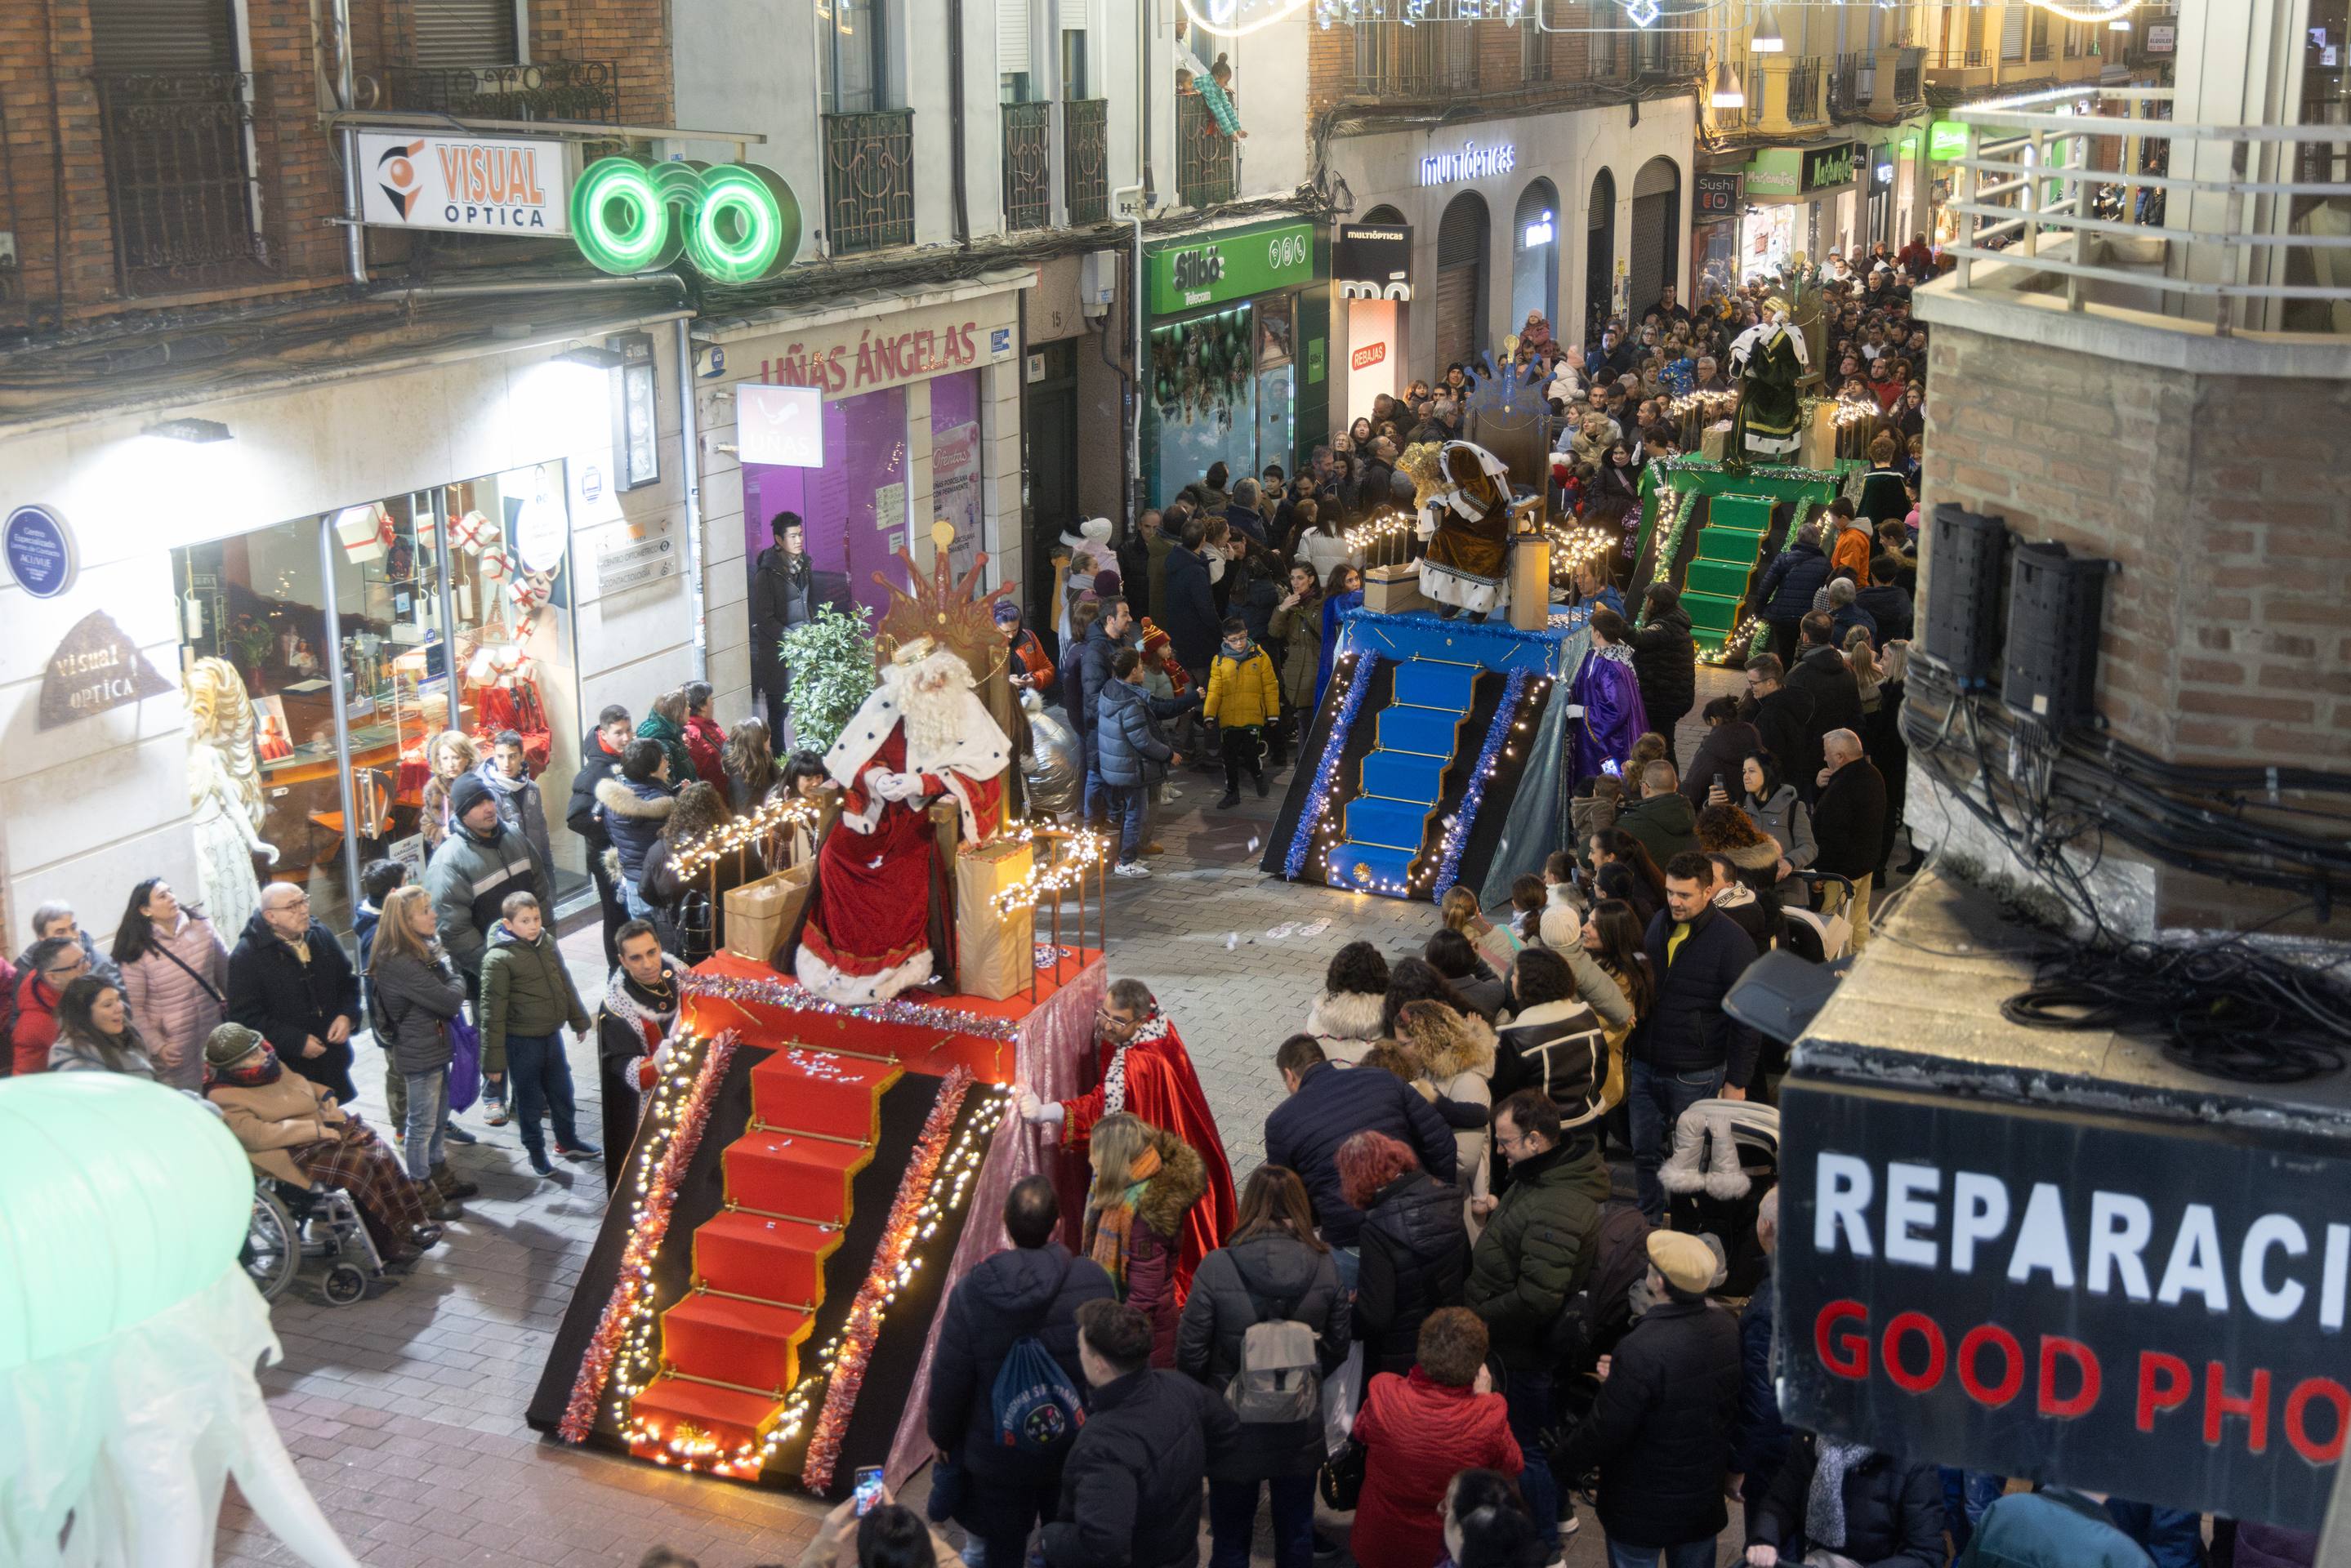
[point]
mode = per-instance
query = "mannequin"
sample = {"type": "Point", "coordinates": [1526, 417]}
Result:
{"type": "Point", "coordinates": [224, 792]}
{"type": "Point", "coordinates": [1768, 359]}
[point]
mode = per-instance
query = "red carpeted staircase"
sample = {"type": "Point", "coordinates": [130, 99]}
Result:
{"type": "Point", "coordinates": [730, 1349]}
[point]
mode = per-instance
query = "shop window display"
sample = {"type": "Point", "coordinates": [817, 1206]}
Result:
{"type": "Point", "coordinates": [468, 579]}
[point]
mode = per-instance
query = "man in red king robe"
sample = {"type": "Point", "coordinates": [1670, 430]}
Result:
{"type": "Point", "coordinates": [922, 735]}
{"type": "Point", "coordinates": [1147, 1073]}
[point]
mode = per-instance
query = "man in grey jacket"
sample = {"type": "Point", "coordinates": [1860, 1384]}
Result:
{"type": "Point", "coordinates": [470, 874]}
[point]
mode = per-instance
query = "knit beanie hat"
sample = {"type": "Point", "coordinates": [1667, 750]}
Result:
{"type": "Point", "coordinates": [1106, 584]}
{"type": "Point", "coordinates": [230, 1044]}
{"type": "Point", "coordinates": [467, 793]}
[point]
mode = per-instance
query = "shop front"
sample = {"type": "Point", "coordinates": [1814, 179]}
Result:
{"type": "Point", "coordinates": [327, 583]}
{"type": "Point", "coordinates": [1235, 359]}
{"type": "Point", "coordinates": [869, 424]}
{"type": "Point", "coordinates": [1801, 201]}
{"type": "Point", "coordinates": [1714, 208]}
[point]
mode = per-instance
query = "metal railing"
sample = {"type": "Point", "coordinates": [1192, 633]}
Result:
{"type": "Point", "coordinates": [1804, 95]}
{"type": "Point", "coordinates": [583, 91]}
{"type": "Point", "coordinates": [1028, 165]}
{"type": "Point", "coordinates": [1397, 61]}
{"type": "Point", "coordinates": [1207, 166]}
{"type": "Point", "coordinates": [869, 180]}
{"type": "Point", "coordinates": [1850, 85]}
{"type": "Point", "coordinates": [184, 156]}
{"type": "Point", "coordinates": [1911, 78]}
{"type": "Point", "coordinates": [1086, 159]}
{"type": "Point", "coordinates": [1961, 59]}
{"type": "Point", "coordinates": [1669, 55]}
{"type": "Point", "coordinates": [2243, 233]}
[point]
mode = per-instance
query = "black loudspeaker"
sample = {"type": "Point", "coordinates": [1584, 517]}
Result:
{"type": "Point", "coordinates": [1967, 562]}
{"type": "Point", "coordinates": [2056, 601]}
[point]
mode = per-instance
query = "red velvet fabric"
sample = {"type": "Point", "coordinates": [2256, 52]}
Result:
{"type": "Point", "coordinates": [1163, 1090]}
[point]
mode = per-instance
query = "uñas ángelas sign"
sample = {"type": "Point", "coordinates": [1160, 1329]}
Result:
{"type": "Point", "coordinates": [2121, 1305]}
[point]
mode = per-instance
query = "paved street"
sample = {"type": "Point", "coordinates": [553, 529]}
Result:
{"type": "Point", "coordinates": [404, 1413]}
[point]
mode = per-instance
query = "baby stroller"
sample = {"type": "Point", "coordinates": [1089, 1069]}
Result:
{"type": "Point", "coordinates": [290, 1223]}
{"type": "Point", "coordinates": [1726, 1157]}
{"type": "Point", "coordinates": [1832, 933]}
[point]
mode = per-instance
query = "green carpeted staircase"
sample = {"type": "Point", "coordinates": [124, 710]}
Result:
{"type": "Point", "coordinates": [1715, 587]}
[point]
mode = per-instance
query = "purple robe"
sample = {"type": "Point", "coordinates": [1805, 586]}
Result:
{"type": "Point", "coordinates": [1612, 718]}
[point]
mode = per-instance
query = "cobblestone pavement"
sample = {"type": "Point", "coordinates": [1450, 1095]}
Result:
{"type": "Point", "coordinates": [404, 1411]}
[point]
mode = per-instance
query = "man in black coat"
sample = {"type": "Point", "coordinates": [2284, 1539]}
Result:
{"type": "Point", "coordinates": [786, 590]}
{"type": "Point", "coordinates": [1688, 1049]}
{"type": "Point", "coordinates": [1032, 1289]}
{"type": "Point", "coordinates": [1760, 1443]}
{"type": "Point", "coordinates": [1886, 601]}
{"type": "Point", "coordinates": [1192, 624]}
{"type": "Point", "coordinates": [1892, 1511]}
{"type": "Point", "coordinates": [1328, 1105]}
{"type": "Point", "coordinates": [600, 758]}
{"type": "Point", "coordinates": [290, 982]}
{"type": "Point", "coordinates": [1849, 825]}
{"type": "Point", "coordinates": [1665, 662]}
{"type": "Point", "coordinates": [1101, 644]}
{"type": "Point", "coordinates": [1660, 1431]}
{"type": "Point", "coordinates": [1822, 674]}
{"type": "Point", "coordinates": [1131, 1486]}
{"type": "Point", "coordinates": [1779, 716]}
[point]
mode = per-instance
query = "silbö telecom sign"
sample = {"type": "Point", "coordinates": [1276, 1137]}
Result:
{"type": "Point", "coordinates": [1471, 163]}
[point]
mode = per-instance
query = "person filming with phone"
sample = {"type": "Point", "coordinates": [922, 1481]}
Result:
{"type": "Point", "coordinates": [870, 1529]}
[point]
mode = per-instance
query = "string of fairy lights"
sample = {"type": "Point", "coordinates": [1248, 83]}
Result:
{"type": "Point", "coordinates": [1079, 852]}
{"type": "Point", "coordinates": [742, 835]}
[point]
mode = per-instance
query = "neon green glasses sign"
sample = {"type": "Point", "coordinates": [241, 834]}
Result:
{"type": "Point", "coordinates": [737, 222]}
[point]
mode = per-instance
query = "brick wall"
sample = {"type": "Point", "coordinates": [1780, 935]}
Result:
{"type": "Point", "coordinates": [2224, 498]}
{"type": "Point", "coordinates": [47, 102]}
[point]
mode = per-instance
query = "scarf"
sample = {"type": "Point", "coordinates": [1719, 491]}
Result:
{"type": "Point", "coordinates": [265, 1069]}
{"type": "Point", "coordinates": [1114, 1242]}
{"type": "Point", "coordinates": [1825, 1503]}
{"type": "Point", "coordinates": [1114, 1080]}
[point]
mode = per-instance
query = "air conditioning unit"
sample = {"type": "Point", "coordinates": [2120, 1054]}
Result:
{"type": "Point", "coordinates": [1098, 282]}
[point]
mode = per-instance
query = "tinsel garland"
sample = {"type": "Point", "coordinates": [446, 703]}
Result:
{"type": "Point", "coordinates": [863, 1324]}
{"type": "Point", "coordinates": [1498, 734]}
{"type": "Point", "coordinates": [1791, 472]}
{"type": "Point", "coordinates": [1671, 544]}
{"type": "Point", "coordinates": [800, 999]}
{"type": "Point", "coordinates": [1050, 957]}
{"type": "Point", "coordinates": [632, 1292]}
{"type": "Point", "coordinates": [1326, 770]}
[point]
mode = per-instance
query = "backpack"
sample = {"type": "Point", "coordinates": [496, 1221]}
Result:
{"type": "Point", "coordinates": [1597, 1315]}
{"type": "Point", "coordinates": [1279, 1380]}
{"type": "Point", "coordinates": [1036, 1408]}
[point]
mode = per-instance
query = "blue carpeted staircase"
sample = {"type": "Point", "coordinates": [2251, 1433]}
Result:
{"type": "Point", "coordinates": [1389, 820]}
{"type": "Point", "coordinates": [1715, 587]}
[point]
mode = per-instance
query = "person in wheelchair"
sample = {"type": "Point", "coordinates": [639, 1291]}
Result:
{"type": "Point", "coordinates": [293, 1131]}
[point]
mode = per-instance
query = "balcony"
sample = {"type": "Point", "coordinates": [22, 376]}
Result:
{"type": "Point", "coordinates": [1028, 165]}
{"type": "Point", "coordinates": [1669, 55]}
{"type": "Point", "coordinates": [585, 91]}
{"type": "Point", "coordinates": [1803, 96]}
{"type": "Point", "coordinates": [869, 180]}
{"type": "Point", "coordinates": [1208, 164]}
{"type": "Point", "coordinates": [1392, 61]}
{"type": "Point", "coordinates": [1909, 78]}
{"type": "Point", "coordinates": [190, 161]}
{"type": "Point", "coordinates": [1086, 159]}
{"type": "Point", "coordinates": [1850, 86]}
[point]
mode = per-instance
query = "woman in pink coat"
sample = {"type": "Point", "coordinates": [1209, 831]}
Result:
{"type": "Point", "coordinates": [176, 978]}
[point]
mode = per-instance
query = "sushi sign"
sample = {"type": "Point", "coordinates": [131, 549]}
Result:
{"type": "Point", "coordinates": [2118, 1304]}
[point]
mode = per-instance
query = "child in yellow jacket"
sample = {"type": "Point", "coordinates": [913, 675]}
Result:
{"type": "Point", "coordinates": [1244, 697]}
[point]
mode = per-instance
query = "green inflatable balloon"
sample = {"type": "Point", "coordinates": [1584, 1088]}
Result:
{"type": "Point", "coordinates": [124, 1199]}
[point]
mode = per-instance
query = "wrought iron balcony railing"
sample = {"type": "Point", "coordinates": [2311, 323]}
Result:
{"type": "Point", "coordinates": [1960, 59]}
{"type": "Point", "coordinates": [869, 180]}
{"type": "Point", "coordinates": [584, 90]}
{"type": "Point", "coordinates": [1086, 159]}
{"type": "Point", "coordinates": [1028, 165]}
{"type": "Point", "coordinates": [1804, 98]}
{"type": "Point", "coordinates": [1850, 85]}
{"type": "Point", "coordinates": [1909, 78]}
{"type": "Point", "coordinates": [186, 155]}
{"type": "Point", "coordinates": [1207, 166]}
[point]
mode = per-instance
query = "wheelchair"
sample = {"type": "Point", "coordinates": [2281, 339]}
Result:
{"type": "Point", "coordinates": [290, 1223]}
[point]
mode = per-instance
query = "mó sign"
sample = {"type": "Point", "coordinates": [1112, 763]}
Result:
{"type": "Point", "coordinates": [2120, 1306]}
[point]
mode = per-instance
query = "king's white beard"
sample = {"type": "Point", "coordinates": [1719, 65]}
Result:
{"type": "Point", "coordinates": [932, 719]}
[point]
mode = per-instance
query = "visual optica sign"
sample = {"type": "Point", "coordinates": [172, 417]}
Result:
{"type": "Point", "coordinates": [736, 222]}
{"type": "Point", "coordinates": [418, 180]}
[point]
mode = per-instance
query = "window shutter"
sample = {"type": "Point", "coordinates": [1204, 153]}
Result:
{"type": "Point", "coordinates": [174, 36]}
{"type": "Point", "coordinates": [460, 33]}
{"type": "Point", "coordinates": [2011, 33]}
{"type": "Point", "coordinates": [1012, 38]}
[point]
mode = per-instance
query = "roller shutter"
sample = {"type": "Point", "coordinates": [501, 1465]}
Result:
{"type": "Point", "coordinates": [180, 36]}
{"type": "Point", "coordinates": [458, 33]}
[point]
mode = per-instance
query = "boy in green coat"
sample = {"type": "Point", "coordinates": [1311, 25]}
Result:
{"type": "Point", "coordinates": [526, 999]}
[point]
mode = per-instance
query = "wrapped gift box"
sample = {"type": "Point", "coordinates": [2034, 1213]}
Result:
{"type": "Point", "coordinates": [1392, 590]}
{"type": "Point", "coordinates": [759, 914]}
{"type": "Point", "coordinates": [996, 954]}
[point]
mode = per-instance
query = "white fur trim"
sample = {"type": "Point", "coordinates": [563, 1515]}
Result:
{"type": "Point", "coordinates": [861, 991]}
{"type": "Point", "coordinates": [1726, 1179]}
{"type": "Point", "coordinates": [1683, 1171]}
{"type": "Point", "coordinates": [1448, 587]}
{"type": "Point", "coordinates": [979, 748]}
